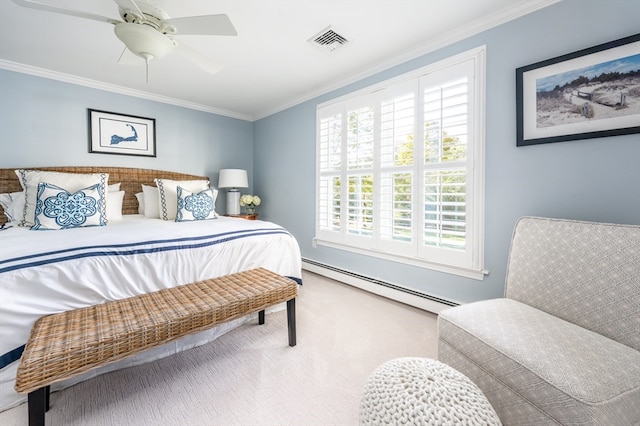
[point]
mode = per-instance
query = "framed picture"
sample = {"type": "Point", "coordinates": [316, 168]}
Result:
{"type": "Point", "coordinates": [591, 93]}
{"type": "Point", "coordinates": [111, 133]}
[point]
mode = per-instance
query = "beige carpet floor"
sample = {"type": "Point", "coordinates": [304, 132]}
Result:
{"type": "Point", "coordinates": [250, 376]}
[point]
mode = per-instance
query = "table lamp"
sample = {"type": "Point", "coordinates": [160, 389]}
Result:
{"type": "Point", "coordinates": [233, 179]}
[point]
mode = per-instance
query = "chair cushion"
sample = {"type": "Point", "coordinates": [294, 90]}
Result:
{"type": "Point", "coordinates": [572, 374]}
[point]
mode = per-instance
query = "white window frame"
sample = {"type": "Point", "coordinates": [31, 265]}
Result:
{"type": "Point", "coordinates": [469, 262]}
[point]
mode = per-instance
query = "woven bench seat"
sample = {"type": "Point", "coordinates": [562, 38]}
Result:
{"type": "Point", "coordinates": [69, 343]}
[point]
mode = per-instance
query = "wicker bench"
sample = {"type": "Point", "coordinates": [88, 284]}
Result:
{"type": "Point", "coordinates": [69, 343]}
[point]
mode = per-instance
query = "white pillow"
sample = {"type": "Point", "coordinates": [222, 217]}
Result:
{"type": "Point", "coordinates": [114, 187]}
{"type": "Point", "coordinates": [72, 182]}
{"type": "Point", "coordinates": [151, 209]}
{"type": "Point", "coordinates": [168, 192]}
{"type": "Point", "coordinates": [57, 208]}
{"type": "Point", "coordinates": [13, 205]}
{"type": "Point", "coordinates": [140, 198]}
{"type": "Point", "coordinates": [196, 206]}
{"type": "Point", "coordinates": [114, 205]}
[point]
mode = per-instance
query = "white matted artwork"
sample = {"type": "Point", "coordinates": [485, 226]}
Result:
{"type": "Point", "coordinates": [591, 93]}
{"type": "Point", "coordinates": [111, 133]}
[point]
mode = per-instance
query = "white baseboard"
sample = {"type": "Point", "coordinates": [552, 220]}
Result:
{"type": "Point", "coordinates": [388, 290]}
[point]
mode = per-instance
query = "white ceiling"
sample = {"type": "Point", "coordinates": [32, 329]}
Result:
{"type": "Point", "coordinates": [270, 64]}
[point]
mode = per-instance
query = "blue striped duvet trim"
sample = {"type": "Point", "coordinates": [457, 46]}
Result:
{"type": "Point", "coordinates": [130, 248]}
{"type": "Point", "coordinates": [11, 356]}
{"type": "Point", "coordinates": [123, 250]}
{"type": "Point", "coordinates": [14, 355]}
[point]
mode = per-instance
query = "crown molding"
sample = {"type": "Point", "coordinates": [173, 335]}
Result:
{"type": "Point", "coordinates": [519, 9]}
{"type": "Point", "coordinates": [94, 84]}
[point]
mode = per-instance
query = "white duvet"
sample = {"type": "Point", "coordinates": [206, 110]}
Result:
{"type": "Point", "coordinates": [44, 272]}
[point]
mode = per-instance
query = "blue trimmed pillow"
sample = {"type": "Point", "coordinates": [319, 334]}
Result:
{"type": "Point", "coordinates": [167, 194]}
{"type": "Point", "coordinates": [196, 206]}
{"type": "Point", "coordinates": [56, 208]}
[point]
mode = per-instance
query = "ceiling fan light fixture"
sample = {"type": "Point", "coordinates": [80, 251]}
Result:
{"type": "Point", "coordinates": [144, 41]}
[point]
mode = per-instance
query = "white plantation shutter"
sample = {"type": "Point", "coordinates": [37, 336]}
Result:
{"type": "Point", "coordinates": [360, 205]}
{"type": "Point", "coordinates": [359, 167]}
{"type": "Point", "coordinates": [330, 162]}
{"type": "Point", "coordinates": [360, 134]}
{"type": "Point", "coordinates": [445, 208]}
{"type": "Point", "coordinates": [448, 99]}
{"type": "Point", "coordinates": [397, 116]}
{"type": "Point", "coordinates": [400, 168]}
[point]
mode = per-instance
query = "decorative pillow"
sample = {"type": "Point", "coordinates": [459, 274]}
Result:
{"type": "Point", "coordinates": [114, 205]}
{"type": "Point", "coordinates": [151, 202]}
{"type": "Point", "coordinates": [72, 182]}
{"type": "Point", "coordinates": [196, 206]}
{"type": "Point", "coordinates": [168, 192]}
{"type": "Point", "coordinates": [13, 205]}
{"type": "Point", "coordinates": [56, 208]}
{"type": "Point", "coordinates": [140, 198]}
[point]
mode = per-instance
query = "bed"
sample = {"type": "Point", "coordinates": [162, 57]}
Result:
{"type": "Point", "coordinates": [49, 271]}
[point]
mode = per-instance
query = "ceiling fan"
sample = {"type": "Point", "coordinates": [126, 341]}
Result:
{"type": "Point", "coordinates": [147, 31]}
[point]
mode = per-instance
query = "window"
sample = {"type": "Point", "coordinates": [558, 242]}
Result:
{"type": "Point", "coordinates": [400, 168]}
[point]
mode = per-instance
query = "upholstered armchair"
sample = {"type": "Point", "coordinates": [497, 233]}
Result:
{"type": "Point", "coordinates": [562, 346]}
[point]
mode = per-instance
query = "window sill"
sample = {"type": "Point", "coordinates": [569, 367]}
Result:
{"type": "Point", "coordinates": [421, 263]}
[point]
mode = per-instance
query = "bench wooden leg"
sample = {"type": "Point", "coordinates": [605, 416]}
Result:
{"type": "Point", "coordinates": [38, 405]}
{"type": "Point", "coordinates": [47, 393]}
{"type": "Point", "coordinates": [291, 321]}
{"type": "Point", "coordinates": [261, 317]}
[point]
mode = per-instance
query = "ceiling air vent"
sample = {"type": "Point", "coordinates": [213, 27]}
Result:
{"type": "Point", "coordinates": [329, 39]}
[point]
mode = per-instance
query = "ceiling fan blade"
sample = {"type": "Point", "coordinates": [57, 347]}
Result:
{"type": "Point", "coordinates": [72, 12]}
{"type": "Point", "coordinates": [203, 25]}
{"type": "Point", "coordinates": [203, 61]}
{"type": "Point", "coordinates": [129, 5]}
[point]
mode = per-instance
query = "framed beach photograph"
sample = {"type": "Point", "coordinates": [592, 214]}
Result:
{"type": "Point", "coordinates": [591, 93]}
{"type": "Point", "coordinates": [111, 133]}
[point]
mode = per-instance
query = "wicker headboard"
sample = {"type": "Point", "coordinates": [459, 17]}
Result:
{"type": "Point", "coordinates": [130, 181]}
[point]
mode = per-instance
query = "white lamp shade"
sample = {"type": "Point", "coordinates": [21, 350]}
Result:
{"type": "Point", "coordinates": [233, 178]}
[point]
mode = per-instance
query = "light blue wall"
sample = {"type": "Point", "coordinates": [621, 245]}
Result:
{"type": "Point", "coordinates": [597, 179]}
{"type": "Point", "coordinates": [44, 122]}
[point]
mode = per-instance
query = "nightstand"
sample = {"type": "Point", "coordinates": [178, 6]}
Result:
{"type": "Point", "coordinates": [253, 216]}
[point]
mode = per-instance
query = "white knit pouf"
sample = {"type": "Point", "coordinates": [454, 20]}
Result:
{"type": "Point", "coordinates": [422, 391]}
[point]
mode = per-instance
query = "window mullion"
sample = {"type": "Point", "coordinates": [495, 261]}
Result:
{"type": "Point", "coordinates": [344, 183]}
{"type": "Point", "coordinates": [418, 167]}
{"type": "Point", "coordinates": [376, 173]}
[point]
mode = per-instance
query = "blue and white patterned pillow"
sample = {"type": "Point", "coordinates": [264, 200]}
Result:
{"type": "Point", "coordinates": [56, 208]}
{"type": "Point", "coordinates": [29, 180]}
{"type": "Point", "coordinates": [167, 194]}
{"type": "Point", "coordinates": [196, 206]}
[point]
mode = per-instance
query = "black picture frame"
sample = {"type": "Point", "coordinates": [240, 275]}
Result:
{"type": "Point", "coordinates": [112, 133]}
{"type": "Point", "coordinates": [590, 93]}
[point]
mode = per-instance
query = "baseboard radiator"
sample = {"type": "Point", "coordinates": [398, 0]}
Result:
{"type": "Point", "coordinates": [386, 289]}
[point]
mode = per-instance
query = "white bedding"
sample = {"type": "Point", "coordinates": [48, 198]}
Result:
{"type": "Point", "coordinates": [44, 272]}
